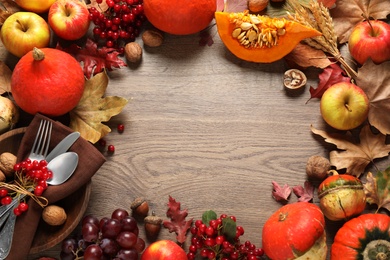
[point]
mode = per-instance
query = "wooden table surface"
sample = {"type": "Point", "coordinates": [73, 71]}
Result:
{"type": "Point", "coordinates": [208, 129]}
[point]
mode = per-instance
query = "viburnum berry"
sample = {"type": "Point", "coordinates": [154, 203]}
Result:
{"type": "Point", "coordinates": [23, 206]}
{"type": "Point", "coordinates": [121, 128]}
{"type": "Point", "coordinates": [17, 211]}
{"type": "Point", "coordinates": [3, 192]}
{"type": "Point", "coordinates": [38, 190]}
{"type": "Point", "coordinates": [6, 200]}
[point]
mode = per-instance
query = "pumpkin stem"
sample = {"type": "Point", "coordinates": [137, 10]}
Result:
{"type": "Point", "coordinates": [282, 216]}
{"type": "Point", "coordinates": [377, 250]}
{"type": "Point", "coordinates": [38, 54]}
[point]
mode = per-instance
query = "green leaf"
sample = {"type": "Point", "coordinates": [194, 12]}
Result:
{"type": "Point", "coordinates": [207, 216]}
{"type": "Point", "coordinates": [229, 228]}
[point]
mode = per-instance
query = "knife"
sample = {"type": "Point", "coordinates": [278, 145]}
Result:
{"type": "Point", "coordinates": [63, 146]}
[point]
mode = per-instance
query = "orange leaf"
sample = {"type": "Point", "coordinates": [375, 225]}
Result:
{"type": "Point", "coordinates": [5, 78]}
{"type": "Point", "coordinates": [355, 156]}
{"type": "Point", "coordinates": [377, 189]}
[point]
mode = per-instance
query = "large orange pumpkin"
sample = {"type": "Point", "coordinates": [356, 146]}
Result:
{"type": "Point", "coordinates": [180, 17]}
{"type": "Point", "coordinates": [295, 230]}
{"type": "Point", "coordinates": [363, 237]}
{"type": "Point", "coordinates": [258, 38]}
{"type": "Point", "coordinates": [47, 81]}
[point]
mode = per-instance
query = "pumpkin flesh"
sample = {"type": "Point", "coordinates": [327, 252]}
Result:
{"type": "Point", "coordinates": [286, 41]}
{"type": "Point", "coordinates": [293, 230]}
{"type": "Point", "coordinates": [364, 237]}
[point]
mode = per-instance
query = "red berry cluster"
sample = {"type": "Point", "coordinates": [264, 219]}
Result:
{"type": "Point", "coordinates": [32, 173]}
{"type": "Point", "coordinates": [120, 23]}
{"type": "Point", "coordinates": [211, 241]}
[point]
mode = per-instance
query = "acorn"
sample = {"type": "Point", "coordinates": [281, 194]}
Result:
{"type": "Point", "coordinates": [140, 207]}
{"type": "Point", "coordinates": [152, 226]}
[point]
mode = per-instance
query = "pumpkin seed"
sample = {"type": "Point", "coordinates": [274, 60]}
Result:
{"type": "Point", "coordinates": [236, 32]}
{"type": "Point", "coordinates": [246, 26]}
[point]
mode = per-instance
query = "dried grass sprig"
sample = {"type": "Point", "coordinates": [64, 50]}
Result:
{"type": "Point", "coordinates": [317, 16]}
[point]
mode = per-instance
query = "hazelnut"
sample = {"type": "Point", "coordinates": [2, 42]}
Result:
{"type": "Point", "coordinates": [152, 38]}
{"type": "Point", "coordinates": [256, 6]}
{"type": "Point", "coordinates": [54, 215]}
{"type": "Point", "coordinates": [140, 207]}
{"type": "Point", "coordinates": [133, 52]}
{"type": "Point", "coordinates": [7, 162]}
{"type": "Point", "coordinates": [317, 167]}
{"type": "Point", "coordinates": [152, 226]}
{"type": "Point", "coordinates": [294, 79]}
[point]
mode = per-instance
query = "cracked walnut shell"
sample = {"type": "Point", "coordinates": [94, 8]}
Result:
{"type": "Point", "coordinates": [294, 79]}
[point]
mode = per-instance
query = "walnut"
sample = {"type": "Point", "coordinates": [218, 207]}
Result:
{"type": "Point", "coordinates": [54, 215]}
{"type": "Point", "coordinates": [294, 79]}
{"type": "Point", "coordinates": [317, 167]}
{"type": "Point", "coordinates": [7, 162]}
{"type": "Point", "coordinates": [256, 6]}
{"type": "Point", "coordinates": [2, 177]}
{"type": "Point", "coordinates": [152, 38]}
{"type": "Point", "coordinates": [133, 52]}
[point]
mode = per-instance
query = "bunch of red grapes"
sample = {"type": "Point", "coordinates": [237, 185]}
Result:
{"type": "Point", "coordinates": [108, 238]}
{"type": "Point", "coordinates": [33, 174]}
{"type": "Point", "coordinates": [211, 241]}
{"type": "Point", "coordinates": [119, 24]}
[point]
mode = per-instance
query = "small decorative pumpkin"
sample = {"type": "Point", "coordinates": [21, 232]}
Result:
{"type": "Point", "coordinates": [180, 17]}
{"type": "Point", "coordinates": [341, 196]}
{"type": "Point", "coordinates": [365, 237]}
{"type": "Point", "coordinates": [258, 38]}
{"type": "Point", "coordinates": [295, 231]}
{"type": "Point", "coordinates": [47, 81]}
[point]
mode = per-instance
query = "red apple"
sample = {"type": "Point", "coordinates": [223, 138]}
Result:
{"type": "Point", "coordinates": [344, 106]}
{"type": "Point", "coordinates": [69, 19]}
{"type": "Point", "coordinates": [164, 250]}
{"type": "Point", "coordinates": [370, 39]}
{"type": "Point", "coordinates": [22, 31]}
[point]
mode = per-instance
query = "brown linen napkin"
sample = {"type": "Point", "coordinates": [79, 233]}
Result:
{"type": "Point", "coordinates": [90, 160]}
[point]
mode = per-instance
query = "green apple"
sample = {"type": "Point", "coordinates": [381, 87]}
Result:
{"type": "Point", "coordinates": [344, 106]}
{"type": "Point", "coordinates": [22, 31]}
{"type": "Point", "coordinates": [69, 19]}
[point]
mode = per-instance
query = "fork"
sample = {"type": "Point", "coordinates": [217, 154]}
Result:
{"type": "Point", "coordinates": [41, 143]}
{"type": "Point", "coordinates": [38, 152]}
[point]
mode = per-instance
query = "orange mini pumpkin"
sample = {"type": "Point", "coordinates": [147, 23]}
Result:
{"type": "Point", "coordinates": [47, 81]}
{"type": "Point", "coordinates": [180, 17]}
{"type": "Point", "coordinates": [259, 38]}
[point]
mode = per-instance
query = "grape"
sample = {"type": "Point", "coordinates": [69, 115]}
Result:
{"type": "Point", "coordinates": [103, 221]}
{"type": "Point", "coordinates": [69, 245]}
{"type": "Point", "coordinates": [90, 232]}
{"type": "Point", "coordinates": [90, 219]}
{"type": "Point", "coordinates": [119, 214]}
{"type": "Point", "coordinates": [93, 252]}
{"type": "Point", "coordinates": [109, 247]}
{"type": "Point", "coordinates": [126, 239]}
{"type": "Point", "coordinates": [140, 245]}
{"type": "Point", "coordinates": [111, 228]}
{"type": "Point", "coordinates": [129, 224]}
{"type": "Point", "coordinates": [127, 254]}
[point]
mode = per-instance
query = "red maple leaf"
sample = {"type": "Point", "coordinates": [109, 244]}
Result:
{"type": "Point", "coordinates": [177, 222]}
{"type": "Point", "coordinates": [305, 193]}
{"type": "Point", "coordinates": [281, 193]}
{"type": "Point", "coordinates": [329, 76]}
{"type": "Point", "coordinates": [95, 59]}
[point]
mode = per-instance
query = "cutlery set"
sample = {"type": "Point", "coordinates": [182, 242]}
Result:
{"type": "Point", "coordinates": [60, 162]}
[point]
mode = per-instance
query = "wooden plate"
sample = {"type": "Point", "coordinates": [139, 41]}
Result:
{"type": "Point", "coordinates": [49, 236]}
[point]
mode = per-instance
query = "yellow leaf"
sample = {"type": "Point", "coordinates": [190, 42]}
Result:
{"type": "Point", "coordinates": [94, 108]}
{"type": "Point", "coordinates": [355, 156]}
{"type": "Point", "coordinates": [5, 78]}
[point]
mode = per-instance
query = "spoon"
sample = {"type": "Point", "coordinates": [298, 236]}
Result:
{"type": "Point", "coordinates": [62, 167]}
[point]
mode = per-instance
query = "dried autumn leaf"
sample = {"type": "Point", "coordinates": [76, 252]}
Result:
{"type": "Point", "coordinates": [5, 78]}
{"type": "Point", "coordinates": [375, 81]}
{"type": "Point", "coordinates": [177, 220]}
{"type": "Point", "coordinates": [95, 59]}
{"type": "Point", "coordinates": [305, 56]}
{"type": "Point", "coordinates": [279, 193]}
{"type": "Point", "coordinates": [356, 10]}
{"type": "Point", "coordinates": [355, 156]}
{"type": "Point", "coordinates": [7, 7]}
{"type": "Point", "coordinates": [94, 108]}
{"type": "Point", "coordinates": [331, 75]}
{"type": "Point", "coordinates": [305, 193]}
{"type": "Point", "coordinates": [377, 189]}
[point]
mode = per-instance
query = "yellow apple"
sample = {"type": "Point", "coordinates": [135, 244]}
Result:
{"type": "Point", "coordinates": [36, 6]}
{"type": "Point", "coordinates": [22, 31]}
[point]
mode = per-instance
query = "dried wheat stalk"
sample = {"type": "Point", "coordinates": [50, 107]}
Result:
{"type": "Point", "coordinates": [317, 16]}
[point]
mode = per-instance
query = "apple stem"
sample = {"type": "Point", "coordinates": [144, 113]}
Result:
{"type": "Point", "coordinates": [24, 29]}
{"type": "Point", "coordinates": [347, 107]}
